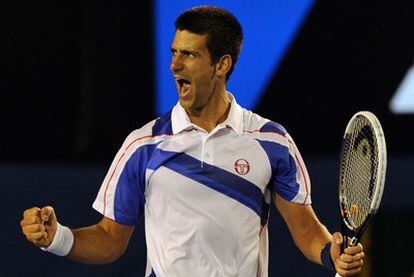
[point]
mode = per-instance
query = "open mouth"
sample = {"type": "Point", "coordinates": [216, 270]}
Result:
{"type": "Point", "coordinates": [184, 86]}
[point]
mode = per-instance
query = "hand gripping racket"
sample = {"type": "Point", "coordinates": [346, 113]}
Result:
{"type": "Point", "coordinates": [363, 163]}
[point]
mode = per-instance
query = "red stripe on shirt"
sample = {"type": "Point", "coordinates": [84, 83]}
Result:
{"type": "Point", "coordinates": [123, 154]}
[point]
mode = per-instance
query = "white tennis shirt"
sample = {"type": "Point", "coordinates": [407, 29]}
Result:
{"type": "Point", "coordinates": [204, 196]}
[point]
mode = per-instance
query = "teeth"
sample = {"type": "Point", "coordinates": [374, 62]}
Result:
{"type": "Point", "coordinates": [182, 90]}
{"type": "Point", "coordinates": [183, 85]}
{"type": "Point", "coordinates": [181, 81]}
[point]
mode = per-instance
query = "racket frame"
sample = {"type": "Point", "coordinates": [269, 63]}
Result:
{"type": "Point", "coordinates": [351, 234]}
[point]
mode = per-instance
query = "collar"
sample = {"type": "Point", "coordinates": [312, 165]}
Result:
{"type": "Point", "coordinates": [180, 120]}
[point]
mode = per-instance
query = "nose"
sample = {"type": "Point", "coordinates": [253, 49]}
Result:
{"type": "Point", "coordinates": [176, 64]}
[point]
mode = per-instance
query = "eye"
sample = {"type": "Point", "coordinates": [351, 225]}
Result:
{"type": "Point", "coordinates": [188, 53]}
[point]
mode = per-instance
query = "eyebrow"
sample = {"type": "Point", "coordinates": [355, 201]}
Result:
{"type": "Point", "coordinates": [185, 52]}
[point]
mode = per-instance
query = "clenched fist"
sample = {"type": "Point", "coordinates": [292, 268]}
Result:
{"type": "Point", "coordinates": [39, 225]}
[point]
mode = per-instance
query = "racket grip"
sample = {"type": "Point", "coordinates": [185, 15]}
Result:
{"type": "Point", "coordinates": [345, 243]}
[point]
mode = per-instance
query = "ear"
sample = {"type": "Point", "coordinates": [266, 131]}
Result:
{"type": "Point", "coordinates": [223, 65]}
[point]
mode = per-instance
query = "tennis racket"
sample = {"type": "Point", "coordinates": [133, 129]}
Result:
{"type": "Point", "coordinates": [363, 163]}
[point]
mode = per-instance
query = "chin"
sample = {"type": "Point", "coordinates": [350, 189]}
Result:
{"type": "Point", "coordinates": [186, 104]}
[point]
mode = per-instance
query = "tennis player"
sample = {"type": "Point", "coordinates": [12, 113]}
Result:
{"type": "Point", "coordinates": [202, 176]}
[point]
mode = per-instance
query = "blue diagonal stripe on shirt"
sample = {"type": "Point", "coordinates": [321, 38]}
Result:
{"type": "Point", "coordinates": [213, 177]}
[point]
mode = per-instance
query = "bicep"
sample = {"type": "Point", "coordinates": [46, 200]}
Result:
{"type": "Point", "coordinates": [297, 216]}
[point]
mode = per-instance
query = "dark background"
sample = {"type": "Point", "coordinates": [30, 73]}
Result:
{"type": "Point", "coordinates": [77, 77]}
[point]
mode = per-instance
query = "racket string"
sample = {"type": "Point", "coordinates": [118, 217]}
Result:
{"type": "Point", "coordinates": [359, 166]}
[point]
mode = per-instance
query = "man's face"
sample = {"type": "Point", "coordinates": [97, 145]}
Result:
{"type": "Point", "coordinates": [193, 70]}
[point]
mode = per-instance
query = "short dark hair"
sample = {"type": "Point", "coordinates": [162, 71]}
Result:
{"type": "Point", "coordinates": [224, 32]}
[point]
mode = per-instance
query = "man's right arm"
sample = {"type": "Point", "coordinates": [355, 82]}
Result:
{"type": "Point", "coordinates": [97, 244]}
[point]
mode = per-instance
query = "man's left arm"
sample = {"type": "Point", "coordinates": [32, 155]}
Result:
{"type": "Point", "coordinates": [311, 236]}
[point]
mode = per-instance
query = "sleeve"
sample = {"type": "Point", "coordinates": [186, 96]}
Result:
{"type": "Point", "coordinates": [290, 178]}
{"type": "Point", "coordinates": [122, 193]}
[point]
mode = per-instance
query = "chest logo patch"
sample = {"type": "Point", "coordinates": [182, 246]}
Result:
{"type": "Point", "coordinates": [242, 166]}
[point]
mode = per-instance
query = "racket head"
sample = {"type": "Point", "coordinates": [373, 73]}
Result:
{"type": "Point", "coordinates": [363, 163]}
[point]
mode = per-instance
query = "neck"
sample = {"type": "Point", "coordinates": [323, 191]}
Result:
{"type": "Point", "coordinates": [214, 113]}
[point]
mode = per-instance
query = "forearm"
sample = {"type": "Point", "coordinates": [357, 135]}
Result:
{"type": "Point", "coordinates": [311, 239]}
{"type": "Point", "coordinates": [308, 233]}
{"type": "Point", "coordinates": [93, 245]}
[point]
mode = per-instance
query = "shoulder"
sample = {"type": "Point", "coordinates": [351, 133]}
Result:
{"type": "Point", "coordinates": [261, 127]}
{"type": "Point", "coordinates": [155, 128]}
{"type": "Point", "coordinates": [162, 125]}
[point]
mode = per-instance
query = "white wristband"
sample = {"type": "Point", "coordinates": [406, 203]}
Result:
{"type": "Point", "coordinates": [62, 242]}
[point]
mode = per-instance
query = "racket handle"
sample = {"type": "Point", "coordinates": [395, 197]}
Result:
{"type": "Point", "coordinates": [345, 243]}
